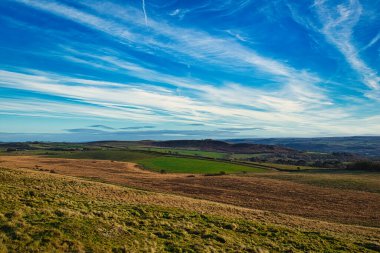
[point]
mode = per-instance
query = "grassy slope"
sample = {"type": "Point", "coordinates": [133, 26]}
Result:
{"type": "Point", "coordinates": [46, 212]}
{"type": "Point", "coordinates": [358, 181]}
{"type": "Point", "coordinates": [188, 165]}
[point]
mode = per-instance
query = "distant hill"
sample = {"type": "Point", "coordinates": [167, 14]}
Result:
{"type": "Point", "coordinates": [221, 146]}
{"type": "Point", "coordinates": [361, 145]}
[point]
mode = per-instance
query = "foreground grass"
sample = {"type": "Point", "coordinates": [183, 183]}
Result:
{"type": "Point", "coordinates": [189, 165]}
{"type": "Point", "coordinates": [40, 212]}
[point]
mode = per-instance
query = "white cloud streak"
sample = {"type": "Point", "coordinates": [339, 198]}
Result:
{"type": "Point", "coordinates": [144, 10]}
{"type": "Point", "coordinates": [124, 101]}
{"type": "Point", "coordinates": [295, 96]}
{"type": "Point", "coordinates": [196, 45]}
{"type": "Point", "coordinates": [297, 102]}
{"type": "Point", "coordinates": [189, 45]}
{"type": "Point", "coordinates": [338, 22]}
{"type": "Point", "coordinates": [373, 41]}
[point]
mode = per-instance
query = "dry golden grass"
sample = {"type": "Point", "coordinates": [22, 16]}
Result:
{"type": "Point", "coordinates": [258, 193]}
{"type": "Point", "coordinates": [98, 191]}
{"type": "Point", "coordinates": [45, 211]}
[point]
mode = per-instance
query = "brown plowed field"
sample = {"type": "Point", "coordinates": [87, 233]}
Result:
{"type": "Point", "coordinates": [329, 204]}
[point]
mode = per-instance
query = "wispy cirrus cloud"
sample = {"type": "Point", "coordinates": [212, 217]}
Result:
{"type": "Point", "coordinates": [144, 99]}
{"type": "Point", "coordinates": [69, 110]}
{"type": "Point", "coordinates": [190, 43]}
{"type": "Point", "coordinates": [118, 21]}
{"type": "Point", "coordinates": [300, 95]}
{"type": "Point", "coordinates": [372, 42]}
{"type": "Point", "coordinates": [122, 101]}
{"type": "Point", "coordinates": [338, 23]}
{"type": "Point", "coordinates": [144, 11]}
{"type": "Point", "coordinates": [104, 62]}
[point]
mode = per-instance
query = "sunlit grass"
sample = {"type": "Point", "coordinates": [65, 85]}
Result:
{"type": "Point", "coordinates": [40, 212]}
{"type": "Point", "coordinates": [189, 165]}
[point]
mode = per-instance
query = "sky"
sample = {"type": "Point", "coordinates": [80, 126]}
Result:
{"type": "Point", "coordinates": [82, 70]}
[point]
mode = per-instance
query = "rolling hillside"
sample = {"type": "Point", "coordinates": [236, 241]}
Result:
{"type": "Point", "coordinates": [42, 211]}
{"type": "Point", "coordinates": [361, 145]}
{"type": "Point", "coordinates": [221, 146]}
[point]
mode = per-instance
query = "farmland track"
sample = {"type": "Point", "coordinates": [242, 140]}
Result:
{"type": "Point", "coordinates": [328, 204]}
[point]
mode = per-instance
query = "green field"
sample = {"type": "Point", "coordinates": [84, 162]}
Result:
{"type": "Point", "coordinates": [189, 165]}
{"type": "Point", "coordinates": [42, 212]}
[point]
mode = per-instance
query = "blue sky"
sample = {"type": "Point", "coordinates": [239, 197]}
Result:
{"type": "Point", "coordinates": [89, 70]}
